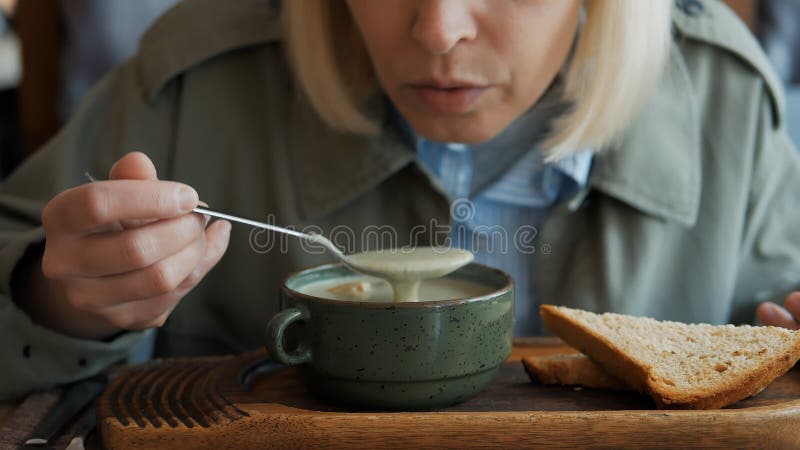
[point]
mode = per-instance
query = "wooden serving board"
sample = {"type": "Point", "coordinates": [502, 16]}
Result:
{"type": "Point", "coordinates": [243, 402]}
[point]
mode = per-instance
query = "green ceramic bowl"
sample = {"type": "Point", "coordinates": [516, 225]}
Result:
{"type": "Point", "coordinates": [397, 356]}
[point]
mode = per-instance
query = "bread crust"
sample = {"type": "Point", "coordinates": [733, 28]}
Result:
{"type": "Point", "coordinates": [570, 370]}
{"type": "Point", "coordinates": [638, 376]}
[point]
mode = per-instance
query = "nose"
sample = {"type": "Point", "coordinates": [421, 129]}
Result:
{"type": "Point", "coordinates": [441, 24]}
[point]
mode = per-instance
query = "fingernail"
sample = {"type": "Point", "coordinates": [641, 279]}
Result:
{"type": "Point", "coordinates": [188, 198]}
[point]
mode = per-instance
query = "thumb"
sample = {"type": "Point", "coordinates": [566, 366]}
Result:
{"type": "Point", "coordinates": [771, 314]}
{"type": "Point", "coordinates": [133, 166]}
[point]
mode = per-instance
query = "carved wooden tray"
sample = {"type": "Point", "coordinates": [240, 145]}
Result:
{"type": "Point", "coordinates": [249, 402]}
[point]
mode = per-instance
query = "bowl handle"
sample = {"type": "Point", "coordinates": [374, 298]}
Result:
{"type": "Point", "coordinates": [274, 337]}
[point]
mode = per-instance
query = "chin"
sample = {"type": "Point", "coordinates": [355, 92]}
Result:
{"type": "Point", "coordinates": [465, 130]}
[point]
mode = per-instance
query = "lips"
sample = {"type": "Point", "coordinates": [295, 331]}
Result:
{"type": "Point", "coordinates": [447, 97]}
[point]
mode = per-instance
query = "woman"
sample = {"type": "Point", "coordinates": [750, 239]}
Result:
{"type": "Point", "coordinates": [668, 188]}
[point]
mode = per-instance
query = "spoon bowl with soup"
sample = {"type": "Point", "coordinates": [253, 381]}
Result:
{"type": "Point", "coordinates": [403, 268]}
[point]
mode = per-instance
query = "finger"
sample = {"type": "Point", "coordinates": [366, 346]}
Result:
{"type": "Point", "coordinates": [207, 217]}
{"type": "Point", "coordinates": [154, 312]}
{"type": "Point", "coordinates": [217, 239]}
{"type": "Point", "coordinates": [158, 279]}
{"type": "Point", "coordinates": [773, 315]}
{"type": "Point", "coordinates": [91, 206]}
{"type": "Point", "coordinates": [135, 223]}
{"type": "Point", "coordinates": [133, 166]}
{"type": "Point", "coordinates": [792, 304]}
{"type": "Point", "coordinates": [106, 254]}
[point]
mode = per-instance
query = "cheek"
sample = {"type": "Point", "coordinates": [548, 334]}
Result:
{"type": "Point", "coordinates": [383, 64]}
{"type": "Point", "coordinates": [381, 25]}
{"type": "Point", "coordinates": [540, 45]}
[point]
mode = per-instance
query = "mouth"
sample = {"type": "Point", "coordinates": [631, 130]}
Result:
{"type": "Point", "coordinates": [447, 97]}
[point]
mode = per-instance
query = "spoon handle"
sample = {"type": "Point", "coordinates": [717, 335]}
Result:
{"type": "Point", "coordinates": [318, 238]}
{"type": "Point", "coordinates": [210, 212]}
{"type": "Point", "coordinates": [266, 226]}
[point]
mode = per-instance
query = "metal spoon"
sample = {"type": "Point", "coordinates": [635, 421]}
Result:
{"type": "Point", "coordinates": [401, 270]}
{"type": "Point", "coordinates": [434, 264]}
{"type": "Point", "coordinates": [312, 237]}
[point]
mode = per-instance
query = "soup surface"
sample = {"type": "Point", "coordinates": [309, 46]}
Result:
{"type": "Point", "coordinates": [371, 289]}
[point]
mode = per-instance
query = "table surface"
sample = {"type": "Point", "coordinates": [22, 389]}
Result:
{"type": "Point", "coordinates": [203, 403]}
{"type": "Point", "coordinates": [8, 407]}
{"type": "Point", "coordinates": [5, 410]}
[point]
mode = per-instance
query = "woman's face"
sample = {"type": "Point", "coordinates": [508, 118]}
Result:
{"type": "Point", "coordinates": [463, 70]}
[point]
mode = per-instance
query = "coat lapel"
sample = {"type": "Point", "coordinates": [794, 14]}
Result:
{"type": "Point", "coordinates": [330, 168]}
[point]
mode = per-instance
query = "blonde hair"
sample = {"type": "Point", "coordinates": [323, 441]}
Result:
{"type": "Point", "coordinates": [619, 56]}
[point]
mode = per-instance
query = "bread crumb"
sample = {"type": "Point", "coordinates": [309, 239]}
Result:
{"type": "Point", "coordinates": [356, 290]}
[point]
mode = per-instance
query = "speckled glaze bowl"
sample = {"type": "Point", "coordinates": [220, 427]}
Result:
{"type": "Point", "coordinates": [395, 356]}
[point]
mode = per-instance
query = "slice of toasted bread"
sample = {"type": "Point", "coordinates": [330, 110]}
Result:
{"type": "Point", "coordinates": [570, 370]}
{"type": "Point", "coordinates": [681, 366]}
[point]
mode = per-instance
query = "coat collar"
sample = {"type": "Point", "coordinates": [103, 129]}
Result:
{"type": "Point", "coordinates": [180, 38]}
{"type": "Point", "coordinates": [654, 166]}
{"type": "Point", "coordinates": [331, 168]}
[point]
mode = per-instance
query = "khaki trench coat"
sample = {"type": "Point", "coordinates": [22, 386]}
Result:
{"type": "Point", "coordinates": [692, 215]}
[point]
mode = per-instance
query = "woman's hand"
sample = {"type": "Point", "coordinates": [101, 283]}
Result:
{"type": "Point", "coordinates": [786, 316]}
{"type": "Point", "coordinates": [120, 254]}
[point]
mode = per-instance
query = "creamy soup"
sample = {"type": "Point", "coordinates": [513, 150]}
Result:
{"type": "Point", "coordinates": [370, 289]}
{"type": "Point", "coordinates": [413, 263]}
{"type": "Point", "coordinates": [404, 269]}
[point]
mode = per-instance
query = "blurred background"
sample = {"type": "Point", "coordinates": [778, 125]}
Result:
{"type": "Point", "coordinates": [52, 51]}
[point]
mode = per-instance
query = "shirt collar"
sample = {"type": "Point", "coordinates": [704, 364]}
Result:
{"type": "Point", "coordinates": [576, 166]}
